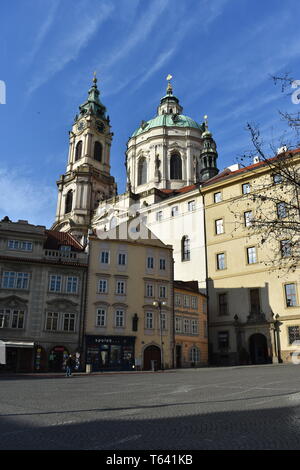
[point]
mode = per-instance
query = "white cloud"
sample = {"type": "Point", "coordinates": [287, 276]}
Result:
{"type": "Point", "coordinates": [66, 50]}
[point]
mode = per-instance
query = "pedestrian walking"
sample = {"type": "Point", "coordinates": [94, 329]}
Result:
{"type": "Point", "coordinates": [69, 366]}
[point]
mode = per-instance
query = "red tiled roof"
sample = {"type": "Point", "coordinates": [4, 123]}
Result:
{"type": "Point", "coordinates": [187, 285]}
{"type": "Point", "coordinates": [228, 173]}
{"type": "Point", "coordinates": [55, 239]}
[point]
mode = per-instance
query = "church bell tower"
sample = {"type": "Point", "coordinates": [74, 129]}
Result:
{"type": "Point", "coordinates": [87, 180]}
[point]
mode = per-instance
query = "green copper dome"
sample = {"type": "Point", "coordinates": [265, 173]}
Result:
{"type": "Point", "coordinates": [169, 120]}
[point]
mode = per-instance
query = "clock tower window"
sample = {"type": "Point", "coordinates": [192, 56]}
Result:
{"type": "Point", "coordinates": [98, 151]}
{"type": "Point", "coordinates": [78, 150]}
{"type": "Point", "coordinates": [69, 201]}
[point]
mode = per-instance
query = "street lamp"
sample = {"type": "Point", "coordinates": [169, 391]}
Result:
{"type": "Point", "coordinates": [159, 304]}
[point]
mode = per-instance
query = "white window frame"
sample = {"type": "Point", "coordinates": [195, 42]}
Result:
{"type": "Point", "coordinates": [149, 321]}
{"type": "Point", "coordinates": [120, 287]}
{"type": "Point", "coordinates": [119, 318]}
{"type": "Point", "coordinates": [105, 257]}
{"type": "Point", "coordinates": [101, 317]}
{"type": "Point", "coordinates": [102, 286]}
{"type": "Point", "coordinates": [219, 226]}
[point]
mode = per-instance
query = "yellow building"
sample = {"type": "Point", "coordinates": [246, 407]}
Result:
{"type": "Point", "coordinates": [129, 319]}
{"type": "Point", "coordinates": [191, 343]}
{"type": "Point", "coordinates": [254, 313]}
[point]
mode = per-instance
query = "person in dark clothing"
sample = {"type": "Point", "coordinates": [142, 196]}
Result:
{"type": "Point", "coordinates": [69, 366]}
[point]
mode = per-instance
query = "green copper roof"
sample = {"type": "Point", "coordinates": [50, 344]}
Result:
{"type": "Point", "coordinates": [93, 104]}
{"type": "Point", "coordinates": [167, 120]}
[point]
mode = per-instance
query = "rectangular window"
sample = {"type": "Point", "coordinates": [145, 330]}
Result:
{"type": "Point", "coordinates": [72, 285]}
{"type": "Point", "coordinates": [159, 216]}
{"type": "Point", "coordinates": [246, 188]}
{"type": "Point", "coordinates": [191, 206]}
{"type": "Point", "coordinates": [219, 226]}
{"type": "Point", "coordinates": [218, 197]}
{"type": "Point", "coordinates": [163, 321]}
{"type": "Point", "coordinates": [122, 259]}
{"type": "Point", "coordinates": [4, 318]}
{"type": "Point", "coordinates": [149, 290]}
{"type": "Point", "coordinates": [186, 326]}
{"type": "Point", "coordinates": [121, 285]}
{"type": "Point", "coordinates": [177, 300]}
{"type": "Point", "coordinates": [195, 329]}
{"type": "Point", "coordinates": [294, 334]}
{"type": "Point", "coordinates": [223, 340]}
{"type": "Point", "coordinates": [19, 245]}
{"type": "Point", "coordinates": [178, 324]}
{"type": "Point", "coordinates": [13, 280]}
{"type": "Point", "coordinates": [186, 300]}
{"type": "Point", "coordinates": [162, 292]}
{"type": "Point", "coordinates": [162, 264]}
{"type": "Point", "coordinates": [221, 261]}
{"type": "Point", "coordinates": [22, 281]}
{"type": "Point", "coordinates": [101, 317]}
{"type": "Point", "coordinates": [286, 248]}
{"type": "Point", "coordinates": [104, 257]}
{"type": "Point", "coordinates": [281, 210]}
{"type": "Point", "coordinates": [149, 320]}
{"type": "Point", "coordinates": [102, 286]}
{"type": "Point", "coordinates": [194, 302]}
{"type": "Point", "coordinates": [150, 262]}
{"type": "Point", "coordinates": [254, 302]}
{"type": "Point", "coordinates": [52, 321]}
{"type": "Point", "coordinates": [174, 211]}
{"type": "Point", "coordinates": [223, 304]}
{"type": "Point", "coordinates": [17, 319]}
{"type": "Point", "coordinates": [251, 255]}
{"type": "Point", "coordinates": [248, 216]}
{"type": "Point", "coordinates": [290, 295]}
{"type": "Point", "coordinates": [277, 179]}
{"type": "Point", "coordinates": [120, 318]}
{"type": "Point", "coordinates": [55, 283]}
{"type": "Point", "coordinates": [68, 322]}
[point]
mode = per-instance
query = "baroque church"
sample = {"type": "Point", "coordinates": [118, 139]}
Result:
{"type": "Point", "coordinates": [168, 157]}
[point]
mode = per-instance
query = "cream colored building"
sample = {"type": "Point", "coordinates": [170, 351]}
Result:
{"type": "Point", "coordinates": [254, 312]}
{"type": "Point", "coordinates": [123, 329]}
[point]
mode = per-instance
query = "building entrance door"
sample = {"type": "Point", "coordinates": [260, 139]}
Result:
{"type": "Point", "coordinates": [258, 349]}
{"type": "Point", "coordinates": [151, 353]}
{"type": "Point", "coordinates": [178, 356]}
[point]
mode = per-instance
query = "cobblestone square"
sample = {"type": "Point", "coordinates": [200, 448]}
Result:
{"type": "Point", "coordinates": [252, 407]}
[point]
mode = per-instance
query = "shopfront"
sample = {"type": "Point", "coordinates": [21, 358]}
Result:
{"type": "Point", "coordinates": [110, 352]}
{"type": "Point", "coordinates": [19, 356]}
{"type": "Point", "coordinates": [57, 359]}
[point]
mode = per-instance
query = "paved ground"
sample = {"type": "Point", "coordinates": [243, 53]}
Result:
{"type": "Point", "coordinates": [255, 407]}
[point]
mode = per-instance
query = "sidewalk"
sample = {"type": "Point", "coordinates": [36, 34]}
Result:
{"type": "Point", "coordinates": [48, 375]}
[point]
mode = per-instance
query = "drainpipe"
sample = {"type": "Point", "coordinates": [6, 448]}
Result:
{"type": "Point", "coordinates": [206, 280]}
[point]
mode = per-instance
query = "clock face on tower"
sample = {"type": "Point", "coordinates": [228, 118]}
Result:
{"type": "Point", "coordinates": [81, 125]}
{"type": "Point", "coordinates": [99, 126]}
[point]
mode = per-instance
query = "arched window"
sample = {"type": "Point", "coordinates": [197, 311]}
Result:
{"type": "Point", "coordinates": [176, 167]}
{"type": "Point", "coordinates": [98, 151]}
{"type": "Point", "coordinates": [78, 150]}
{"type": "Point", "coordinates": [69, 201]}
{"type": "Point", "coordinates": [185, 248]}
{"type": "Point", "coordinates": [142, 171]}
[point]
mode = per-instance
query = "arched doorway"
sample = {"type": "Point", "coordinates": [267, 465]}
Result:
{"type": "Point", "coordinates": [151, 353]}
{"type": "Point", "coordinates": [258, 349]}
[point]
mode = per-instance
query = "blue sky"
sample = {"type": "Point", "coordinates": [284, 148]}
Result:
{"type": "Point", "coordinates": [220, 52]}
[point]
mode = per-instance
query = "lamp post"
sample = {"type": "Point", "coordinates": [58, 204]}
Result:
{"type": "Point", "coordinates": [159, 304]}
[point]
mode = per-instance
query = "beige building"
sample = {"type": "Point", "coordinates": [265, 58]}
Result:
{"type": "Point", "coordinates": [254, 313]}
{"type": "Point", "coordinates": [42, 286]}
{"type": "Point", "coordinates": [191, 339]}
{"type": "Point", "coordinates": [124, 330]}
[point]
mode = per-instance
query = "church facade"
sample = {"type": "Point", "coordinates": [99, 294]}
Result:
{"type": "Point", "coordinates": [167, 159]}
